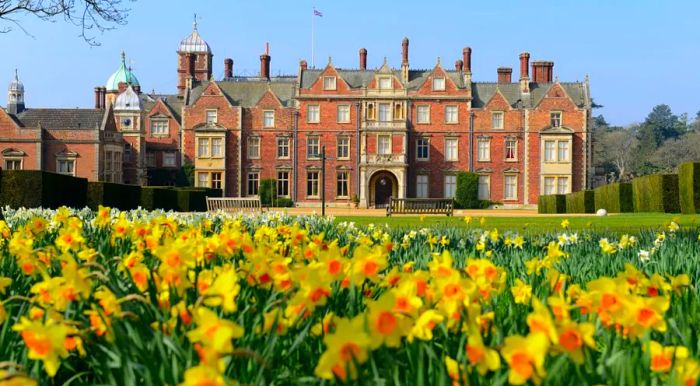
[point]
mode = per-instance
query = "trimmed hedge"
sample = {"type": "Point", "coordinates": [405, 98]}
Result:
{"type": "Point", "coordinates": [267, 191]}
{"type": "Point", "coordinates": [689, 187]}
{"type": "Point", "coordinates": [552, 203]}
{"type": "Point", "coordinates": [120, 196]}
{"type": "Point", "coordinates": [580, 202]}
{"type": "Point", "coordinates": [467, 194]}
{"type": "Point", "coordinates": [156, 197]}
{"type": "Point", "coordinates": [191, 200]}
{"type": "Point", "coordinates": [615, 198]}
{"type": "Point", "coordinates": [656, 193]}
{"type": "Point", "coordinates": [35, 188]}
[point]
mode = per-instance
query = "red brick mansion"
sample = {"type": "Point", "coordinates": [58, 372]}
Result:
{"type": "Point", "coordinates": [387, 131]}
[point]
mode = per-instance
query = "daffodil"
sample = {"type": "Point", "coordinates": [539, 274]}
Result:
{"type": "Point", "coordinates": [45, 341]}
{"type": "Point", "coordinates": [525, 356]}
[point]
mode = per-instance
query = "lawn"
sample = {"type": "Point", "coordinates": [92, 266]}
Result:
{"type": "Point", "coordinates": [617, 223]}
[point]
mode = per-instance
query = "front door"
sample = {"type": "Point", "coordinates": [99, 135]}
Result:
{"type": "Point", "coordinates": [382, 191]}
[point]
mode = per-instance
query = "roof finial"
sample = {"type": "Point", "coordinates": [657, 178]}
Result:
{"type": "Point", "coordinates": [16, 77]}
{"type": "Point", "coordinates": [330, 60]}
{"type": "Point", "coordinates": [123, 57]}
{"type": "Point", "coordinates": [267, 48]}
{"type": "Point", "coordinates": [194, 23]}
{"type": "Point", "coordinates": [438, 61]}
{"type": "Point", "coordinates": [385, 60]}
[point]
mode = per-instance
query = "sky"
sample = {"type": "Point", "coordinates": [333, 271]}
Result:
{"type": "Point", "coordinates": [637, 54]}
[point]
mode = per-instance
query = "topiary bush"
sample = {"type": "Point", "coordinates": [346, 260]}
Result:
{"type": "Point", "coordinates": [615, 198]}
{"type": "Point", "coordinates": [656, 193]}
{"type": "Point", "coordinates": [689, 187]}
{"type": "Point", "coordinates": [267, 192]}
{"type": "Point", "coordinates": [467, 194]}
{"type": "Point", "coordinates": [582, 201]}
{"type": "Point", "coordinates": [120, 196]}
{"type": "Point", "coordinates": [551, 203]}
{"type": "Point", "coordinates": [35, 188]}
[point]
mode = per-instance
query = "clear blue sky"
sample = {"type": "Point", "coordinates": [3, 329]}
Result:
{"type": "Point", "coordinates": [637, 53]}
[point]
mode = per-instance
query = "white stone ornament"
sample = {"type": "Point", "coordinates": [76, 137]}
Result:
{"type": "Point", "coordinates": [601, 212]}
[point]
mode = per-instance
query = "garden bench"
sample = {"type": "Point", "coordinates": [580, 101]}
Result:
{"type": "Point", "coordinates": [420, 206]}
{"type": "Point", "coordinates": [234, 204]}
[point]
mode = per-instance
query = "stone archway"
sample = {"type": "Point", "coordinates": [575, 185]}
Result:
{"type": "Point", "coordinates": [383, 184]}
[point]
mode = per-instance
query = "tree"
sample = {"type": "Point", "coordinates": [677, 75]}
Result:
{"type": "Point", "coordinates": [88, 15]}
{"type": "Point", "coordinates": [617, 153]}
{"type": "Point", "coordinates": [676, 151]}
{"type": "Point", "coordinates": [660, 125]}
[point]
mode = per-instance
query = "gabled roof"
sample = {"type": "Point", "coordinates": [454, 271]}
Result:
{"type": "Point", "coordinates": [359, 78]}
{"type": "Point", "coordinates": [483, 92]}
{"type": "Point", "coordinates": [173, 103]}
{"type": "Point", "coordinates": [74, 119]}
{"type": "Point", "coordinates": [247, 93]}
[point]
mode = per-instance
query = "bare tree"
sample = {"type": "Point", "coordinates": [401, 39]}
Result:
{"type": "Point", "coordinates": [90, 16]}
{"type": "Point", "coordinates": [618, 152]}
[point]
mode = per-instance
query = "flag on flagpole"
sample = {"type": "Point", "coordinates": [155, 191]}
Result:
{"type": "Point", "coordinates": [317, 13]}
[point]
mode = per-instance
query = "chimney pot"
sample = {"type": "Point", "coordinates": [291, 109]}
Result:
{"type": "Point", "coordinates": [459, 65]}
{"type": "Point", "coordinates": [98, 98]}
{"type": "Point", "coordinates": [404, 51]}
{"type": "Point", "coordinates": [524, 61]}
{"type": "Point", "coordinates": [265, 66]}
{"type": "Point", "coordinates": [363, 58]}
{"type": "Point", "coordinates": [228, 68]}
{"type": "Point", "coordinates": [542, 71]}
{"type": "Point", "coordinates": [504, 75]}
{"type": "Point", "coordinates": [467, 59]}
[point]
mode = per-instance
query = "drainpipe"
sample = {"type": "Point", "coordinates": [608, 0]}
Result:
{"type": "Point", "coordinates": [471, 141]}
{"type": "Point", "coordinates": [294, 162]}
{"type": "Point", "coordinates": [357, 150]}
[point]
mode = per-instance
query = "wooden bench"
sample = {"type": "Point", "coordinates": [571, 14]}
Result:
{"type": "Point", "coordinates": [420, 206]}
{"type": "Point", "coordinates": [234, 204]}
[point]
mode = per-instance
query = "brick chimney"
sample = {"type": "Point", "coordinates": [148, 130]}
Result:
{"type": "Point", "coordinates": [542, 71]}
{"type": "Point", "coordinates": [404, 59]}
{"type": "Point", "coordinates": [459, 66]}
{"type": "Point", "coordinates": [265, 63]}
{"type": "Point", "coordinates": [303, 65]}
{"type": "Point", "coordinates": [363, 58]}
{"type": "Point", "coordinates": [103, 97]}
{"type": "Point", "coordinates": [504, 75]}
{"type": "Point", "coordinates": [524, 76]}
{"type": "Point", "coordinates": [467, 59]}
{"type": "Point", "coordinates": [98, 98]}
{"type": "Point", "coordinates": [228, 68]}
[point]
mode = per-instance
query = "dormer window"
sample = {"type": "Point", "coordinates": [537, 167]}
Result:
{"type": "Point", "coordinates": [555, 118]}
{"type": "Point", "coordinates": [268, 118]}
{"type": "Point", "coordinates": [212, 117]}
{"type": "Point", "coordinates": [385, 83]}
{"type": "Point", "coordinates": [439, 84]}
{"type": "Point", "coordinates": [329, 82]}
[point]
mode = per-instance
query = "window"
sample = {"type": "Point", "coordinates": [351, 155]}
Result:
{"type": "Point", "coordinates": [562, 185]}
{"type": "Point", "coordinates": [160, 127]}
{"type": "Point", "coordinates": [108, 161]}
{"type": "Point", "coordinates": [549, 185]}
{"type": "Point", "coordinates": [450, 186]}
{"type": "Point", "coordinates": [511, 149]}
{"type": "Point", "coordinates": [484, 150]}
{"type": "Point", "coordinates": [343, 114]}
{"type": "Point", "coordinates": [451, 114]}
{"type": "Point", "coordinates": [282, 147]}
{"type": "Point", "coordinates": [484, 183]}
{"type": "Point", "coordinates": [385, 83]}
{"type": "Point", "coordinates": [312, 184]}
{"type": "Point", "coordinates": [341, 184]}
{"type": "Point", "coordinates": [268, 118]}
{"type": "Point", "coordinates": [511, 187]}
{"type": "Point", "coordinates": [13, 164]}
{"type": "Point", "coordinates": [150, 161]}
{"type": "Point", "coordinates": [217, 147]}
{"type": "Point", "coordinates": [563, 151]}
{"type": "Point", "coordinates": [66, 166]}
{"type": "Point", "coordinates": [549, 155]}
{"type": "Point", "coordinates": [439, 84]}
{"type": "Point", "coordinates": [313, 114]}
{"type": "Point", "coordinates": [343, 149]}
{"type": "Point", "coordinates": [216, 180]}
{"type": "Point", "coordinates": [313, 150]}
{"type": "Point", "coordinates": [423, 114]}
{"type": "Point", "coordinates": [283, 184]}
{"type": "Point", "coordinates": [451, 146]}
{"type": "Point", "coordinates": [497, 119]}
{"type": "Point", "coordinates": [169, 159]}
{"type": "Point", "coordinates": [203, 180]}
{"type": "Point", "coordinates": [555, 118]}
{"type": "Point", "coordinates": [212, 117]}
{"type": "Point", "coordinates": [253, 183]}
{"type": "Point", "coordinates": [329, 82]}
{"type": "Point", "coordinates": [422, 186]}
{"type": "Point", "coordinates": [127, 152]}
{"type": "Point", "coordinates": [422, 149]}
{"type": "Point", "coordinates": [203, 147]}
{"type": "Point", "coordinates": [384, 144]}
{"type": "Point", "coordinates": [253, 147]}
{"type": "Point", "coordinates": [384, 112]}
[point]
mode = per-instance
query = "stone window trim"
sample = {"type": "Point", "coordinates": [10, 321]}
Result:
{"type": "Point", "coordinates": [329, 83]}
{"type": "Point", "coordinates": [502, 119]}
{"type": "Point", "coordinates": [425, 121]}
{"type": "Point", "coordinates": [339, 195]}
{"type": "Point", "coordinates": [317, 114]}
{"type": "Point", "coordinates": [349, 111]}
{"type": "Point", "coordinates": [555, 153]}
{"type": "Point", "coordinates": [451, 157]}
{"type": "Point", "coordinates": [349, 150]}
{"type": "Point", "coordinates": [316, 156]}
{"type": "Point", "coordinates": [427, 157]}
{"type": "Point", "coordinates": [265, 124]}
{"type": "Point", "coordinates": [160, 120]}
{"type": "Point", "coordinates": [211, 119]}
{"type": "Point", "coordinates": [505, 149]}
{"type": "Point", "coordinates": [278, 141]}
{"type": "Point", "coordinates": [383, 78]}
{"type": "Point", "coordinates": [12, 160]}
{"type": "Point", "coordinates": [556, 116]}
{"type": "Point", "coordinates": [438, 83]}
{"type": "Point", "coordinates": [456, 118]}
{"type": "Point", "coordinates": [507, 174]}
{"type": "Point", "coordinates": [248, 146]}
{"type": "Point", "coordinates": [70, 157]}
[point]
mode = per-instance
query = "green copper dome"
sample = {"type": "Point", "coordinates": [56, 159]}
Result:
{"type": "Point", "coordinates": [123, 74]}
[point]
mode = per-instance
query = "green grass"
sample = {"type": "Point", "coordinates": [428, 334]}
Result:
{"type": "Point", "coordinates": [628, 222]}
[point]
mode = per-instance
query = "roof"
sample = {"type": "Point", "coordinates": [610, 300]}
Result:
{"type": "Point", "coordinates": [128, 100]}
{"type": "Point", "coordinates": [359, 78]}
{"type": "Point", "coordinates": [483, 92]}
{"type": "Point", "coordinates": [194, 42]}
{"type": "Point", "coordinates": [246, 92]}
{"type": "Point", "coordinates": [85, 119]}
{"type": "Point", "coordinates": [173, 102]}
{"type": "Point", "coordinates": [16, 85]}
{"type": "Point", "coordinates": [122, 75]}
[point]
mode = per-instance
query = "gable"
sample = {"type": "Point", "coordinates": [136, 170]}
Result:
{"type": "Point", "coordinates": [556, 97]}
{"type": "Point", "coordinates": [269, 100]}
{"type": "Point", "coordinates": [340, 84]}
{"type": "Point", "coordinates": [498, 102]}
{"type": "Point", "coordinates": [438, 72]}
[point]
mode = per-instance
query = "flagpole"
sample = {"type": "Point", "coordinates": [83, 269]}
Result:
{"type": "Point", "coordinates": [313, 21]}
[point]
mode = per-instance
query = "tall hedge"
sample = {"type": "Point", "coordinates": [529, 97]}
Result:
{"type": "Point", "coordinates": [267, 191]}
{"type": "Point", "coordinates": [120, 196]}
{"type": "Point", "coordinates": [191, 200]}
{"type": "Point", "coordinates": [689, 187]}
{"type": "Point", "coordinates": [582, 201]}
{"type": "Point", "coordinates": [615, 198]}
{"type": "Point", "coordinates": [158, 197]}
{"type": "Point", "coordinates": [551, 203]}
{"type": "Point", "coordinates": [656, 193]}
{"type": "Point", "coordinates": [467, 194]}
{"type": "Point", "coordinates": [35, 188]}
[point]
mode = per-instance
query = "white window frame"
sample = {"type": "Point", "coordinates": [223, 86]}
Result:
{"type": "Point", "coordinates": [566, 156]}
{"type": "Point", "coordinates": [513, 184]}
{"type": "Point", "coordinates": [382, 86]}
{"type": "Point", "coordinates": [268, 119]}
{"type": "Point", "coordinates": [514, 142]}
{"type": "Point", "coordinates": [13, 161]}
{"type": "Point", "coordinates": [384, 148]}
{"type": "Point", "coordinates": [497, 120]}
{"type": "Point", "coordinates": [449, 185]}
{"type": "Point", "coordinates": [255, 191]}
{"type": "Point", "coordinates": [384, 115]}
{"type": "Point", "coordinates": [426, 112]}
{"type": "Point", "coordinates": [451, 149]}
{"type": "Point", "coordinates": [317, 145]}
{"type": "Point", "coordinates": [68, 160]}
{"type": "Point", "coordinates": [483, 146]}
{"type": "Point", "coordinates": [160, 127]}
{"type": "Point", "coordinates": [253, 143]}
{"type": "Point", "coordinates": [345, 180]}
{"type": "Point", "coordinates": [170, 156]}
{"type": "Point", "coordinates": [422, 186]}
{"type": "Point", "coordinates": [220, 152]}
{"type": "Point", "coordinates": [556, 122]}
{"type": "Point", "coordinates": [343, 143]}
{"type": "Point", "coordinates": [203, 182]}
{"type": "Point", "coordinates": [481, 194]}
{"type": "Point", "coordinates": [216, 184]}
{"type": "Point", "coordinates": [329, 83]}
{"type": "Point", "coordinates": [211, 117]}
{"type": "Point", "coordinates": [423, 143]}
{"type": "Point", "coordinates": [548, 189]}
{"type": "Point", "coordinates": [452, 114]}
{"type": "Point", "coordinates": [282, 184]}
{"type": "Point", "coordinates": [313, 113]}
{"type": "Point", "coordinates": [282, 147]}
{"type": "Point", "coordinates": [312, 183]}
{"type": "Point", "coordinates": [566, 189]}
{"type": "Point", "coordinates": [343, 114]}
{"type": "Point", "coordinates": [201, 141]}
{"type": "Point", "coordinates": [438, 83]}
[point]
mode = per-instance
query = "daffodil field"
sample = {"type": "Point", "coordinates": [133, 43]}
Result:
{"type": "Point", "coordinates": [153, 298]}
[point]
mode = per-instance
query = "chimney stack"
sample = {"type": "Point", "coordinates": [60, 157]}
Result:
{"type": "Point", "coordinates": [363, 58]}
{"type": "Point", "coordinates": [459, 66]}
{"type": "Point", "coordinates": [404, 52]}
{"type": "Point", "coordinates": [228, 68]}
{"type": "Point", "coordinates": [265, 63]}
{"type": "Point", "coordinates": [504, 75]}
{"type": "Point", "coordinates": [103, 97]}
{"type": "Point", "coordinates": [524, 61]}
{"type": "Point", "coordinates": [98, 98]}
{"type": "Point", "coordinates": [303, 65]}
{"type": "Point", "coordinates": [542, 71]}
{"type": "Point", "coordinates": [467, 59]}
